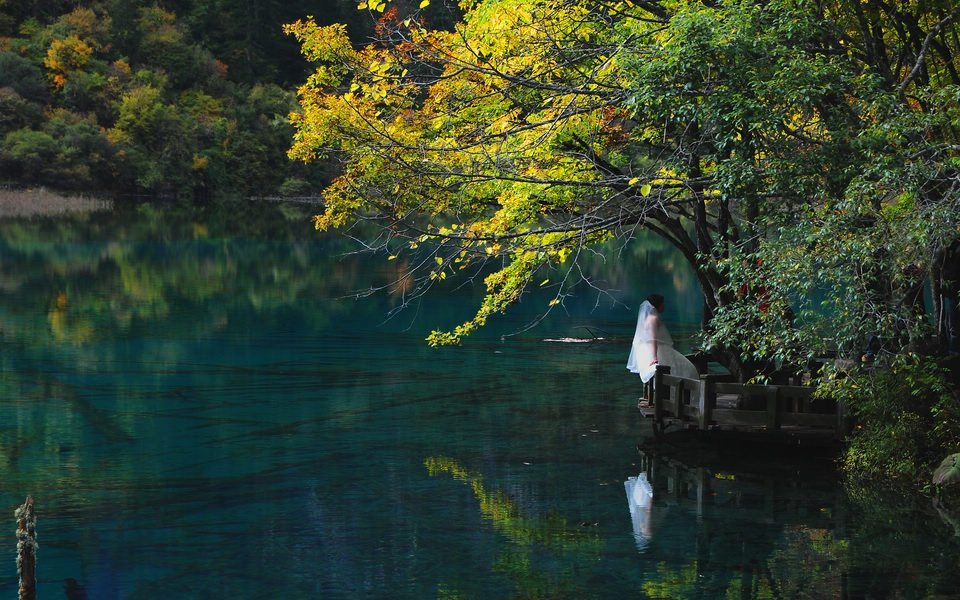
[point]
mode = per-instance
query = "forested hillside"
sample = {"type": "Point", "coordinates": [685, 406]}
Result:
{"type": "Point", "coordinates": [180, 97]}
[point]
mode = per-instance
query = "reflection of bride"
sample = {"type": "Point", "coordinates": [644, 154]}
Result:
{"type": "Point", "coordinates": [652, 344]}
{"type": "Point", "coordinates": [640, 500]}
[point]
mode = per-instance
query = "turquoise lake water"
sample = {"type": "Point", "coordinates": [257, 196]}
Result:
{"type": "Point", "coordinates": [202, 407]}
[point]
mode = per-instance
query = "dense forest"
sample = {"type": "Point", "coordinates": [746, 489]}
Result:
{"type": "Point", "coordinates": [185, 98]}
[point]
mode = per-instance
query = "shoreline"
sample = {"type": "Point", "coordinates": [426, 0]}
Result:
{"type": "Point", "coordinates": [34, 202]}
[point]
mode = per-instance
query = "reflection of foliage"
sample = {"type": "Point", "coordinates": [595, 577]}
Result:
{"type": "Point", "coordinates": [527, 534]}
{"type": "Point", "coordinates": [950, 517]}
{"type": "Point", "coordinates": [895, 529]}
{"type": "Point", "coordinates": [550, 530]}
{"type": "Point", "coordinates": [673, 583]}
{"type": "Point", "coordinates": [91, 288]}
{"type": "Point", "coordinates": [445, 593]}
{"type": "Point", "coordinates": [811, 565]}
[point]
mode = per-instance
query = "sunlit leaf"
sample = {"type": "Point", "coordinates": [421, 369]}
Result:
{"type": "Point", "coordinates": [425, 4]}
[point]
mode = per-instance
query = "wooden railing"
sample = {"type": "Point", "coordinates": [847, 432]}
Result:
{"type": "Point", "coordinates": [709, 402]}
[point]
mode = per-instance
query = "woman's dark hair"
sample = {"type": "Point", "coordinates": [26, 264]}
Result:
{"type": "Point", "coordinates": [656, 300]}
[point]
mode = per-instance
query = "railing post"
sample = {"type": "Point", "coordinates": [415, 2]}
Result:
{"type": "Point", "coordinates": [842, 423]}
{"type": "Point", "coordinates": [660, 391]}
{"type": "Point", "coordinates": [27, 550]}
{"type": "Point", "coordinates": [704, 403]}
{"type": "Point", "coordinates": [773, 407]}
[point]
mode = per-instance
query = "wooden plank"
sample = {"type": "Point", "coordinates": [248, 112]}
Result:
{"type": "Point", "coordinates": [740, 417]}
{"type": "Point", "coordinates": [814, 420]}
{"type": "Point", "coordinates": [725, 387]}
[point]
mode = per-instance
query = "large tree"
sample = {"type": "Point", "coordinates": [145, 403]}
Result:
{"type": "Point", "coordinates": [790, 150]}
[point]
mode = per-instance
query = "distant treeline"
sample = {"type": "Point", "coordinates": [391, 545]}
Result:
{"type": "Point", "coordinates": [179, 98]}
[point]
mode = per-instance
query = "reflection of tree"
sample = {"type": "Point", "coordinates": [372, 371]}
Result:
{"type": "Point", "coordinates": [680, 582]}
{"type": "Point", "coordinates": [813, 563]}
{"type": "Point", "coordinates": [810, 563]}
{"type": "Point", "coordinates": [763, 531]}
{"type": "Point", "coordinates": [898, 533]}
{"type": "Point", "coordinates": [521, 561]}
{"type": "Point", "coordinates": [648, 252]}
{"type": "Point", "coordinates": [106, 274]}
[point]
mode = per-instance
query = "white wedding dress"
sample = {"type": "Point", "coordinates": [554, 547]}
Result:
{"type": "Point", "coordinates": [650, 329]}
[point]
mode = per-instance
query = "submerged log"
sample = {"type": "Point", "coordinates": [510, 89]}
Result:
{"type": "Point", "coordinates": [27, 550]}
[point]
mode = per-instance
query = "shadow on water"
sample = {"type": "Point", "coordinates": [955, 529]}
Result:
{"type": "Point", "coordinates": [762, 521]}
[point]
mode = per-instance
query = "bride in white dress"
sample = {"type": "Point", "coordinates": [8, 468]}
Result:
{"type": "Point", "coordinates": [652, 344]}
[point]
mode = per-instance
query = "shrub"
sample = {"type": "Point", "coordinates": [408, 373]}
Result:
{"type": "Point", "coordinates": [906, 418]}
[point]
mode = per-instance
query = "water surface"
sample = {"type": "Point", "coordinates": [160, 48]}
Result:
{"type": "Point", "coordinates": [198, 412]}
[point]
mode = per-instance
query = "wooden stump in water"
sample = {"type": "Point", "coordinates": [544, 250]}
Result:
{"type": "Point", "coordinates": [27, 550]}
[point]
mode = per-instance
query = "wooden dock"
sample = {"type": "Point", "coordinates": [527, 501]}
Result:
{"type": "Point", "coordinates": [787, 413]}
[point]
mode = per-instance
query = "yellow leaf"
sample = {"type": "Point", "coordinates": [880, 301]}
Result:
{"type": "Point", "coordinates": [391, 257]}
{"type": "Point", "coordinates": [633, 181]}
{"type": "Point", "coordinates": [361, 6]}
{"type": "Point", "coordinates": [425, 4]}
{"type": "Point", "coordinates": [544, 282]}
{"type": "Point", "coordinates": [554, 301]}
{"type": "Point", "coordinates": [439, 260]}
{"type": "Point", "coordinates": [645, 189]}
